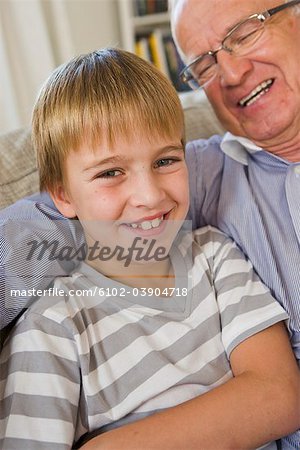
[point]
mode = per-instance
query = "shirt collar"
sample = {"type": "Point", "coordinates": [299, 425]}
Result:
{"type": "Point", "coordinates": [237, 147]}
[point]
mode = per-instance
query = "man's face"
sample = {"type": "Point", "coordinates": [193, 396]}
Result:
{"type": "Point", "coordinates": [273, 117]}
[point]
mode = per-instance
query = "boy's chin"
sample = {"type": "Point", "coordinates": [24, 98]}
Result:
{"type": "Point", "coordinates": [131, 246]}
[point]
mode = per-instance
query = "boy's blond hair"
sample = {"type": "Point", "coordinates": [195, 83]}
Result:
{"type": "Point", "coordinates": [101, 95]}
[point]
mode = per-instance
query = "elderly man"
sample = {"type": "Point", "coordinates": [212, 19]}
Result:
{"type": "Point", "coordinates": [245, 56]}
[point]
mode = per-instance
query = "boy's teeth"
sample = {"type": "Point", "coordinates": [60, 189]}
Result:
{"type": "Point", "coordinates": [156, 222]}
{"type": "Point", "coordinates": [148, 224]}
{"type": "Point", "coordinates": [256, 93]}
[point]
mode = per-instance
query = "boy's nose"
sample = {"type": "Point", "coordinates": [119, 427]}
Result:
{"type": "Point", "coordinates": [146, 192]}
{"type": "Point", "coordinates": [233, 69]}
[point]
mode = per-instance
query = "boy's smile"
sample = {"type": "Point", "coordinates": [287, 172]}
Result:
{"type": "Point", "coordinates": [135, 188]}
{"type": "Point", "coordinates": [149, 226]}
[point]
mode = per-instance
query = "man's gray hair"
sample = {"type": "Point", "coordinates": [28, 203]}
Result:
{"type": "Point", "coordinates": [172, 4]}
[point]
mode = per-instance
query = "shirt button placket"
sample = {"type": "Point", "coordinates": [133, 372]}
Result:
{"type": "Point", "coordinates": [292, 187]}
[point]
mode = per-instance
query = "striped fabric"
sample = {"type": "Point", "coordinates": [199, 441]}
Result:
{"type": "Point", "coordinates": [82, 361]}
{"type": "Point", "coordinates": [257, 203]}
{"type": "Point", "coordinates": [34, 219]}
{"type": "Point", "coordinates": [254, 197]}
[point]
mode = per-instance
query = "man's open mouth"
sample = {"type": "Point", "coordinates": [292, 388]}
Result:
{"type": "Point", "coordinates": [254, 95]}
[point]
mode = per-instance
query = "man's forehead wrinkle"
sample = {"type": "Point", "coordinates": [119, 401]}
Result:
{"type": "Point", "coordinates": [210, 39]}
{"type": "Point", "coordinates": [211, 25]}
{"type": "Point", "coordinates": [223, 15]}
{"type": "Point", "coordinates": [205, 29]}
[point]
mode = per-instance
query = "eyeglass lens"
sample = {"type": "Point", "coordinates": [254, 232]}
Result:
{"type": "Point", "coordinates": [240, 41]}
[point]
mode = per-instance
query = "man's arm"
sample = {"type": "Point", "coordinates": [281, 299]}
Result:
{"type": "Point", "coordinates": [260, 404]}
{"type": "Point", "coordinates": [19, 224]}
{"type": "Point", "coordinates": [25, 225]}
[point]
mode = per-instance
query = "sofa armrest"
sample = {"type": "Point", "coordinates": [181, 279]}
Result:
{"type": "Point", "coordinates": [18, 172]}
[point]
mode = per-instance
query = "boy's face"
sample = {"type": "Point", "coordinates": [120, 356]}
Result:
{"type": "Point", "coordinates": [135, 188]}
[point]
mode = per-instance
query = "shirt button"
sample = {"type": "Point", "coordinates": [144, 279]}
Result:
{"type": "Point", "coordinates": [297, 170]}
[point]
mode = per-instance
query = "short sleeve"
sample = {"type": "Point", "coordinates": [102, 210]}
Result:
{"type": "Point", "coordinates": [245, 304]}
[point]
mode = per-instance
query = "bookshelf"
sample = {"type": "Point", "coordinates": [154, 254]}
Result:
{"type": "Point", "coordinates": [145, 30]}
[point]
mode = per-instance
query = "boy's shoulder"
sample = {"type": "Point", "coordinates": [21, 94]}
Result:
{"type": "Point", "coordinates": [213, 246]}
{"type": "Point", "coordinates": [207, 240]}
{"type": "Point", "coordinates": [209, 235]}
{"type": "Point", "coordinates": [66, 297]}
{"type": "Point", "coordinates": [50, 303]}
{"type": "Point", "coordinates": [204, 247]}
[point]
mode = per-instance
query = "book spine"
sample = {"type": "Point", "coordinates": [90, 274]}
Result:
{"type": "Point", "coordinates": [142, 48]}
{"type": "Point", "coordinates": [175, 64]}
{"type": "Point", "coordinates": [140, 7]}
{"type": "Point", "coordinates": [158, 51]}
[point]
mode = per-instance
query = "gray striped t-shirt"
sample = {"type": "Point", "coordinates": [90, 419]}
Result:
{"type": "Point", "coordinates": [91, 357]}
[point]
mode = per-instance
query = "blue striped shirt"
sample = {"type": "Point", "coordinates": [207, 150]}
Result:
{"type": "Point", "coordinates": [254, 197]}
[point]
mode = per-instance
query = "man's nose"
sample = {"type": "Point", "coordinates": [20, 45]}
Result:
{"type": "Point", "coordinates": [232, 69]}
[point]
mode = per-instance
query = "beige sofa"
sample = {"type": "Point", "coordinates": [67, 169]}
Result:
{"type": "Point", "coordinates": [18, 173]}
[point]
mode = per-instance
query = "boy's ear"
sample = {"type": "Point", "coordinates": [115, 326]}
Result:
{"type": "Point", "coordinates": [62, 202]}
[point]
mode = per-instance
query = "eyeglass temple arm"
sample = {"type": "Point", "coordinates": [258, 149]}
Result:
{"type": "Point", "coordinates": [281, 7]}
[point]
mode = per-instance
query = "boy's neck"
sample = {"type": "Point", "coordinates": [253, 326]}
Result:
{"type": "Point", "coordinates": [148, 275]}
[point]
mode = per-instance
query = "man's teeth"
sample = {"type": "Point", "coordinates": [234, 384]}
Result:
{"type": "Point", "coordinates": [147, 224]}
{"type": "Point", "coordinates": [254, 95]}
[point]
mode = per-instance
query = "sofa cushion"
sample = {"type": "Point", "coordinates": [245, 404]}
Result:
{"type": "Point", "coordinates": [201, 123]}
{"type": "Point", "coordinates": [18, 172]}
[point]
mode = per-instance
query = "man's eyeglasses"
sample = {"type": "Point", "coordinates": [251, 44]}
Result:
{"type": "Point", "coordinates": [239, 41]}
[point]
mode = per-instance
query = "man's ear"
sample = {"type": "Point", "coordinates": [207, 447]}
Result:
{"type": "Point", "coordinates": [63, 202]}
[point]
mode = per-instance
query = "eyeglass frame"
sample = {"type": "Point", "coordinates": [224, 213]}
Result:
{"type": "Point", "coordinates": [185, 75]}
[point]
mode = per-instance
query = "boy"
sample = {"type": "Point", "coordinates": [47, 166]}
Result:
{"type": "Point", "coordinates": [154, 316]}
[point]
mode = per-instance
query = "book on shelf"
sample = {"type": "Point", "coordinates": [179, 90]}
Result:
{"type": "Point", "coordinates": [142, 48]}
{"type": "Point", "coordinates": [140, 7]}
{"type": "Point", "coordinates": [151, 6]}
{"type": "Point", "coordinates": [158, 47]}
{"type": "Point", "coordinates": [144, 7]}
{"type": "Point", "coordinates": [175, 64]}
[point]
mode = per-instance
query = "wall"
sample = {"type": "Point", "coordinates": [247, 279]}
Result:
{"type": "Point", "coordinates": [93, 24]}
{"type": "Point", "coordinates": [38, 35]}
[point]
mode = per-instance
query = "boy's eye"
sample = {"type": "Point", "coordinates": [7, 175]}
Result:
{"type": "Point", "coordinates": [112, 173]}
{"type": "Point", "coordinates": [165, 162]}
